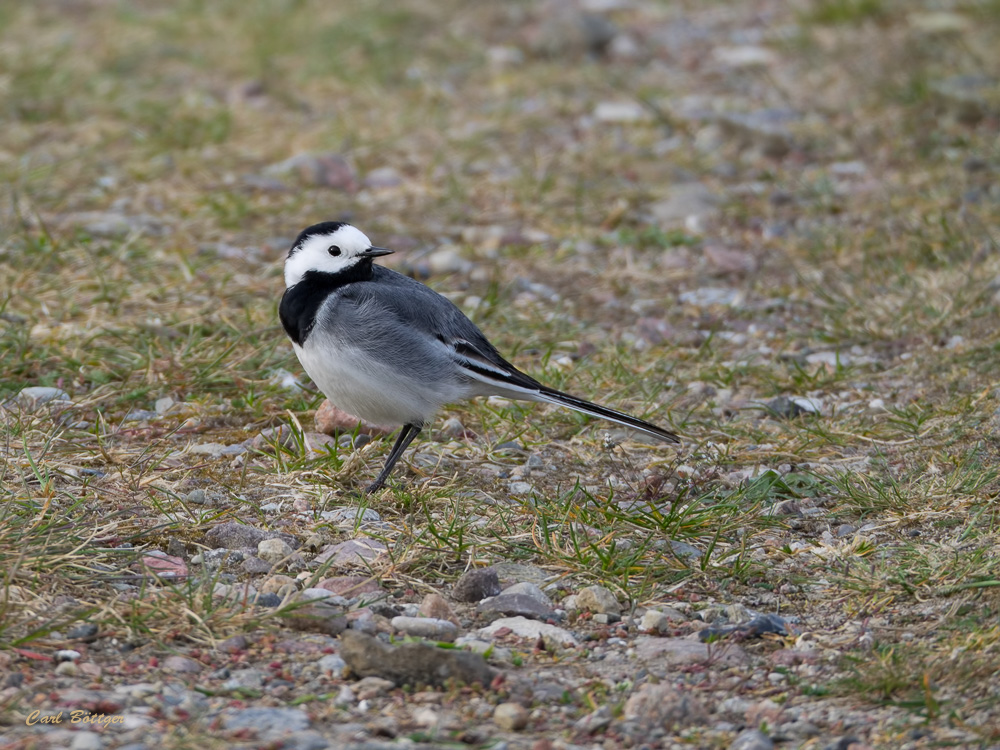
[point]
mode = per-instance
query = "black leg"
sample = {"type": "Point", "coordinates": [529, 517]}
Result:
{"type": "Point", "coordinates": [406, 435]}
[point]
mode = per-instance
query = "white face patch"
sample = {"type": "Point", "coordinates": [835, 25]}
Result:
{"type": "Point", "coordinates": [328, 253]}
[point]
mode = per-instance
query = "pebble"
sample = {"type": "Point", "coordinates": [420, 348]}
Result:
{"type": "Point", "coordinates": [511, 717]}
{"type": "Point", "coordinates": [663, 706]}
{"type": "Point", "coordinates": [621, 112]}
{"type": "Point", "coordinates": [35, 397]}
{"type": "Point", "coordinates": [269, 721]}
{"type": "Point", "coordinates": [453, 428]}
{"type": "Point", "coordinates": [329, 170]}
{"type": "Point", "coordinates": [182, 664]}
{"type": "Point", "coordinates": [435, 607]}
{"type": "Point", "coordinates": [525, 628]}
{"type": "Point", "coordinates": [711, 296]}
{"type": "Point", "coordinates": [751, 739]}
{"type": "Point", "coordinates": [599, 600]}
{"type": "Point", "coordinates": [476, 585]}
{"type": "Point", "coordinates": [745, 56]}
{"type": "Point", "coordinates": [687, 205]}
{"type": "Point", "coordinates": [330, 420]}
{"type": "Point", "coordinates": [86, 741]}
{"type": "Point", "coordinates": [659, 621]}
{"type": "Point", "coordinates": [333, 664]}
{"type": "Point", "coordinates": [447, 260]}
{"type": "Point", "coordinates": [273, 550]}
{"type": "Point", "coordinates": [360, 551]}
{"type": "Point", "coordinates": [412, 663]}
{"type": "Point", "coordinates": [426, 627]}
{"type": "Point", "coordinates": [84, 632]}
{"type": "Point", "coordinates": [507, 604]}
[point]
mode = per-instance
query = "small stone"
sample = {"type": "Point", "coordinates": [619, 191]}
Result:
{"type": "Point", "coordinates": [522, 627]}
{"type": "Point", "coordinates": [86, 741]}
{"type": "Point", "coordinates": [708, 296]}
{"type": "Point", "coordinates": [507, 605]}
{"type": "Point", "coordinates": [373, 687]}
{"type": "Point", "coordinates": [382, 178]}
{"type": "Point", "coordinates": [321, 170]}
{"type": "Point", "coordinates": [360, 551]}
{"type": "Point", "coordinates": [163, 405]}
{"type": "Point", "coordinates": [278, 584]}
{"type": "Point", "coordinates": [453, 428]}
{"type": "Point", "coordinates": [181, 664]}
{"type": "Point", "coordinates": [426, 627]}
{"type": "Point", "coordinates": [435, 607]}
{"type": "Point", "coordinates": [412, 663]}
{"type": "Point", "coordinates": [351, 586]}
{"type": "Point", "coordinates": [680, 651]}
{"type": "Point", "coordinates": [334, 665]}
{"type": "Point", "coordinates": [235, 536]}
{"type": "Point", "coordinates": [447, 260]}
{"type": "Point", "coordinates": [599, 600]}
{"type": "Point", "coordinates": [659, 621]}
{"type": "Point", "coordinates": [663, 706]}
{"type": "Point", "coordinates": [620, 112]}
{"type": "Point", "coordinates": [745, 56]}
{"type": "Point", "coordinates": [752, 739]}
{"type": "Point", "coordinates": [786, 407]}
{"type": "Point", "coordinates": [35, 397]}
{"type": "Point", "coordinates": [333, 421]}
{"type": "Point", "coordinates": [511, 717]}
{"type": "Point", "coordinates": [687, 204]}
{"type": "Point", "coordinates": [234, 644]}
{"type": "Point", "coordinates": [84, 632]}
{"type": "Point", "coordinates": [476, 585]}
{"type": "Point", "coordinates": [268, 720]}
{"type": "Point", "coordinates": [273, 550]}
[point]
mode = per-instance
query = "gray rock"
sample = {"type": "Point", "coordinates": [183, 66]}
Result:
{"type": "Point", "coordinates": [182, 664]}
{"type": "Point", "coordinates": [970, 97]}
{"type": "Point", "coordinates": [594, 722]}
{"type": "Point", "coordinates": [663, 706]}
{"type": "Point", "coordinates": [511, 717]}
{"type": "Point", "coordinates": [85, 632]}
{"type": "Point", "coordinates": [426, 627]}
{"type": "Point", "coordinates": [334, 665]}
{"type": "Point", "coordinates": [360, 551]}
{"type": "Point", "coordinates": [86, 741]}
{"type": "Point", "coordinates": [251, 679]}
{"type": "Point", "coordinates": [506, 605]}
{"type": "Point", "coordinates": [666, 652]}
{"type": "Point", "coordinates": [752, 739]}
{"type": "Point", "coordinates": [529, 589]}
{"type": "Point", "coordinates": [686, 204]}
{"type": "Point", "coordinates": [789, 407]}
{"type": "Point", "coordinates": [114, 224]}
{"type": "Point", "coordinates": [656, 621]}
{"type": "Point", "coordinates": [273, 550]}
{"type": "Point", "coordinates": [476, 585]}
{"type": "Point", "coordinates": [599, 600]}
{"type": "Point", "coordinates": [271, 721]}
{"type": "Point", "coordinates": [382, 178]}
{"type": "Point", "coordinates": [708, 296]}
{"type": "Point", "coordinates": [350, 515]}
{"type": "Point", "coordinates": [321, 170]}
{"type": "Point", "coordinates": [233, 536]}
{"type": "Point", "coordinates": [412, 663]}
{"type": "Point", "coordinates": [35, 397]}
{"type": "Point", "coordinates": [525, 628]}
{"type": "Point", "coordinates": [766, 129]}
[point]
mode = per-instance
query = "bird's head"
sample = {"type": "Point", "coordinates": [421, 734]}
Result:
{"type": "Point", "coordinates": [330, 247]}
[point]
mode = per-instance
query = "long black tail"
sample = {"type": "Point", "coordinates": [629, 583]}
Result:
{"type": "Point", "coordinates": [552, 396]}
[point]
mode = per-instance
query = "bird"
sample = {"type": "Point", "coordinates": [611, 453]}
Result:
{"type": "Point", "coordinates": [392, 351]}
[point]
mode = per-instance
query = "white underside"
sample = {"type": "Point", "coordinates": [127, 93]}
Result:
{"type": "Point", "coordinates": [372, 391]}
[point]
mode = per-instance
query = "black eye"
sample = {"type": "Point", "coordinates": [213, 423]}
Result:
{"type": "Point", "coordinates": [334, 251]}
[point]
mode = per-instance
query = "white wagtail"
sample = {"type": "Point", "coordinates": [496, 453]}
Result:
{"type": "Point", "coordinates": [388, 349]}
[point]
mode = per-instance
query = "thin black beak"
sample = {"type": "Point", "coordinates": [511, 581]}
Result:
{"type": "Point", "coordinates": [374, 252]}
